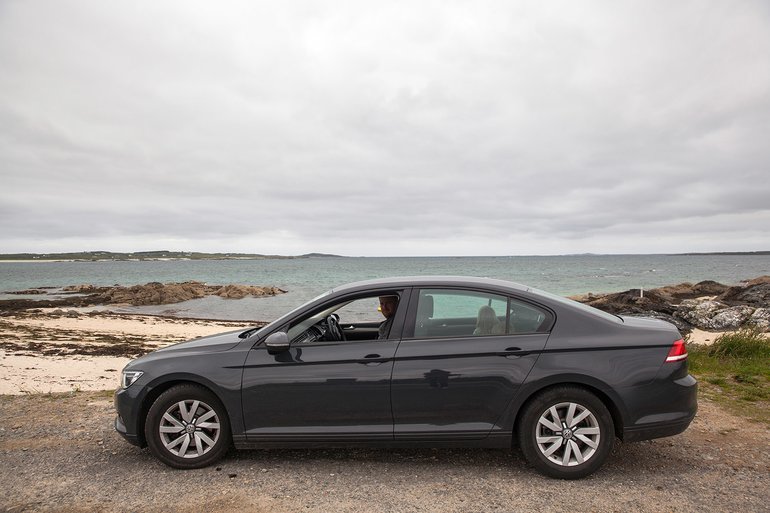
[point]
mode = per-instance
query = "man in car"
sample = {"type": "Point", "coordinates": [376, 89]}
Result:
{"type": "Point", "coordinates": [388, 305]}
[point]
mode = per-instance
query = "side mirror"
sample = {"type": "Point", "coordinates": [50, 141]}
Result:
{"type": "Point", "coordinates": [277, 342]}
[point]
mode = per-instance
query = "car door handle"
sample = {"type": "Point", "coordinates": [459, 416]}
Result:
{"type": "Point", "coordinates": [513, 352]}
{"type": "Point", "coordinates": [372, 360]}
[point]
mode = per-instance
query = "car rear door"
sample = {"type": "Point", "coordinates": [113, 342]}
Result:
{"type": "Point", "coordinates": [454, 376]}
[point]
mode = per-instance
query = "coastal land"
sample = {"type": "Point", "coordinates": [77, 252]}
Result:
{"type": "Point", "coordinates": [57, 341]}
{"type": "Point", "coordinates": [69, 339]}
{"type": "Point", "coordinates": [100, 256]}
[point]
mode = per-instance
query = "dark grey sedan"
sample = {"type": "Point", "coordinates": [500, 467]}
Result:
{"type": "Point", "coordinates": [416, 362]}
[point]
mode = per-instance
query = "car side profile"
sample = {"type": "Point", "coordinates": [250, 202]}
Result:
{"type": "Point", "coordinates": [460, 362]}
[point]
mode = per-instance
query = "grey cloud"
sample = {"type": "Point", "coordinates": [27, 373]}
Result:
{"type": "Point", "coordinates": [438, 127]}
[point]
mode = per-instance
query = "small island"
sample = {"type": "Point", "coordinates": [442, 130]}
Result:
{"type": "Point", "coordinates": [100, 256]}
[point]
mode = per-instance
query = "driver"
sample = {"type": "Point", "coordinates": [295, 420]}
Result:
{"type": "Point", "coordinates": [388, 306]}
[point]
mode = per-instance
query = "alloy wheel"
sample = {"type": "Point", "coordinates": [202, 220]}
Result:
{"type": "Point", "coordinates": [568, 434]}
{"type": "Point", "coordinates": [189, 428]}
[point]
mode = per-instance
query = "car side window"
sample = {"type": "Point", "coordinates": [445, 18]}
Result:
{"type": "Point", "coordinates": [361, 310]}
{"type": "Point", "coordinates": [526, 318]}
{"type": "Point", "coordinates": [358, 318]}
{"type": "Point", "coordinates": [459, 313]}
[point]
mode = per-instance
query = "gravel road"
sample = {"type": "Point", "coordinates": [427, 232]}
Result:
{"type": "Point", "coordinates": [60, 453]}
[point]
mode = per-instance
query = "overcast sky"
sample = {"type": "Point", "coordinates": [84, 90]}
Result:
{"type": "Point", "coordinates": [385, 128]}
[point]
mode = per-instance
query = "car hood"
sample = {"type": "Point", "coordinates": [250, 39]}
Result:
{"type": "Point", "coordinates": [211, 343]}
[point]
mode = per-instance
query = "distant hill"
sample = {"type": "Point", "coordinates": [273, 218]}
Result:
{"type": "Point", "coordinates": [319, 255]}
{"type": "Point", "coordinates": [726, 253]}
{"type": "Point", "coordinates": [93, 256]}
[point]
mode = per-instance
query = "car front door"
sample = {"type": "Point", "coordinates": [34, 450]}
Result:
{"type": "Point", "coordinates": [461, 362]}
{"type": "Point", "coordinates": [321, 390]}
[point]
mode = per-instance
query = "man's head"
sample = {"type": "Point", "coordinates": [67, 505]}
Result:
{"type": "Point", "coordinates": [388, 305]}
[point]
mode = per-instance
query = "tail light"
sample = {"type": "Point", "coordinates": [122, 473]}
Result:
{"type": "Point", "coordinates": [678, 352]}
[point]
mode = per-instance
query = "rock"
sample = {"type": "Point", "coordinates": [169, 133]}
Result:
{"type": "Point", "coordinates": [155, 293]}
{"type": "Point", "coordinates": [234, 291]}
{"type": "Point", "coordinates": [72, 313]}
{"type": "Point", "coordinates": [698, 312]}
{"type": "Point", "coordinates": [758, 281]}
{"type": "Point", "coordinates": [707, 304]}
{"type": "Point", "coordinates": [84, 288]}
{"type": "Point", "coordinates": [731, 318]}
{"type": "Point", "coordinates": [713, 315]}
{"type": "Point", "coordinates": [690, 291]}
{"type": "Point", "coordinates": [27, 292]}
{"type": "Point", "coordinates": [241, 291]}
{"type": "Point", "coordinates": [631, 301]}
{"type": "Point", "coordinates": [761, 319]}
{"type": "Point", "coordinates": [756, 294]}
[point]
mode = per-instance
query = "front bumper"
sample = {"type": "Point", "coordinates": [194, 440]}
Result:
{"type": "Point", "coordinates": [120, 427]}
{"type": "Point", "coordinates": [126, 406]}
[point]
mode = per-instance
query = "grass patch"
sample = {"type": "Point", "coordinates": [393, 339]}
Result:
{"type": "Point", "coordinates": [745, 344]}
{"type": "Point", "coordinates": [735, 372]}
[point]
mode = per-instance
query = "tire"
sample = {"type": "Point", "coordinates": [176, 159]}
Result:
{"type": "Point", "coordinates": [187, 427]}
{"type": "Point", "coordinates": [566, 432]}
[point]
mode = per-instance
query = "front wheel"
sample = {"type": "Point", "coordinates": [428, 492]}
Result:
{"type": "Point", "coordinates": [187, 427]}
{"type": "Point", "coordinates": [566, 433]}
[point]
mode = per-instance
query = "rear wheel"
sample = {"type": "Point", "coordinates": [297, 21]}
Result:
{"type": "Point", "coordinates": [566, 432]}
{"type": "Point", "coordinates": [187, 427]}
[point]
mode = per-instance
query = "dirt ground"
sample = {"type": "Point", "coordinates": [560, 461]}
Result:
{"type": "Point", "coordinates": [59, 452]}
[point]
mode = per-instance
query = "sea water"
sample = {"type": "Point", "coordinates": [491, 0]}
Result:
{"type": "Point", "coordinates": [304, 278]}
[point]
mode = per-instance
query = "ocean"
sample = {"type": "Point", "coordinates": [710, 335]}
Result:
{"type": "Point", "coordinates": [305, 278]}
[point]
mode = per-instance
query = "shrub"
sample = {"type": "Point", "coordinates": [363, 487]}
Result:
{"type": "Point", "coordinates": [745, 343]}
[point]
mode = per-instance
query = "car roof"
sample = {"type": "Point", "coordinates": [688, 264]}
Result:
{"type": "Point", "coordinates": [439, 281]}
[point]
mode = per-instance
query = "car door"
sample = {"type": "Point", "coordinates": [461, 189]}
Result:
{"type": "Point", "coordinates": [457, 369]}
{"type": "Point", "coordinates": [321, 390]}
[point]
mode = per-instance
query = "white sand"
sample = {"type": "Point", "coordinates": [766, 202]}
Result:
{"type": "Point", "coordinates": [36, 373]}
{"type": "Point", "coordinates": [703, 337]}
{"type": "Point", "coordinates": [42, 374]}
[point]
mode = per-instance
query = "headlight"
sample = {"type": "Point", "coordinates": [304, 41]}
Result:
{"type": "Point", "coordinates": [128, 377]}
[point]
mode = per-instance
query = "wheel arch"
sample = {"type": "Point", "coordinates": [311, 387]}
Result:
{"type": "Point", "coordinates": [605, 394]}
{"type": "Point", "coordinates": [157, 388]}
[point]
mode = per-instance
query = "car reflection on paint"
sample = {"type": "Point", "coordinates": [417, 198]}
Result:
{"type": "Point", "coordinates": [464, 362]}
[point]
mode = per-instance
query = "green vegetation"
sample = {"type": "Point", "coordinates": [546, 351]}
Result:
{"type": "Point", "coordinates": [735, 372]}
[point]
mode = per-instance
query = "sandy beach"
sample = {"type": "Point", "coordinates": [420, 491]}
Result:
{"type": "Point", "coordinates": [43, 352]}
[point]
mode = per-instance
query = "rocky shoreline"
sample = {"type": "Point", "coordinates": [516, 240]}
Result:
{"type": "Point", "coordinates": [153, 293]}
{"type": "Point", "coordinates": [706, 305]}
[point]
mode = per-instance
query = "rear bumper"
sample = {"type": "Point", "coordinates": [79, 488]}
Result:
{"type": "Point", "coordinates": [658, 430]}
{"type": "Point", "coordinates": [682, 395]}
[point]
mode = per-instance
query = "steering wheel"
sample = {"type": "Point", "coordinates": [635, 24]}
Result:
{"type": "Point", "coordinates": [335, 332]}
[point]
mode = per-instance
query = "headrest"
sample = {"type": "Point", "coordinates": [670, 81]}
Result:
{"type": "Point", "coordinates": [425, 307]}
